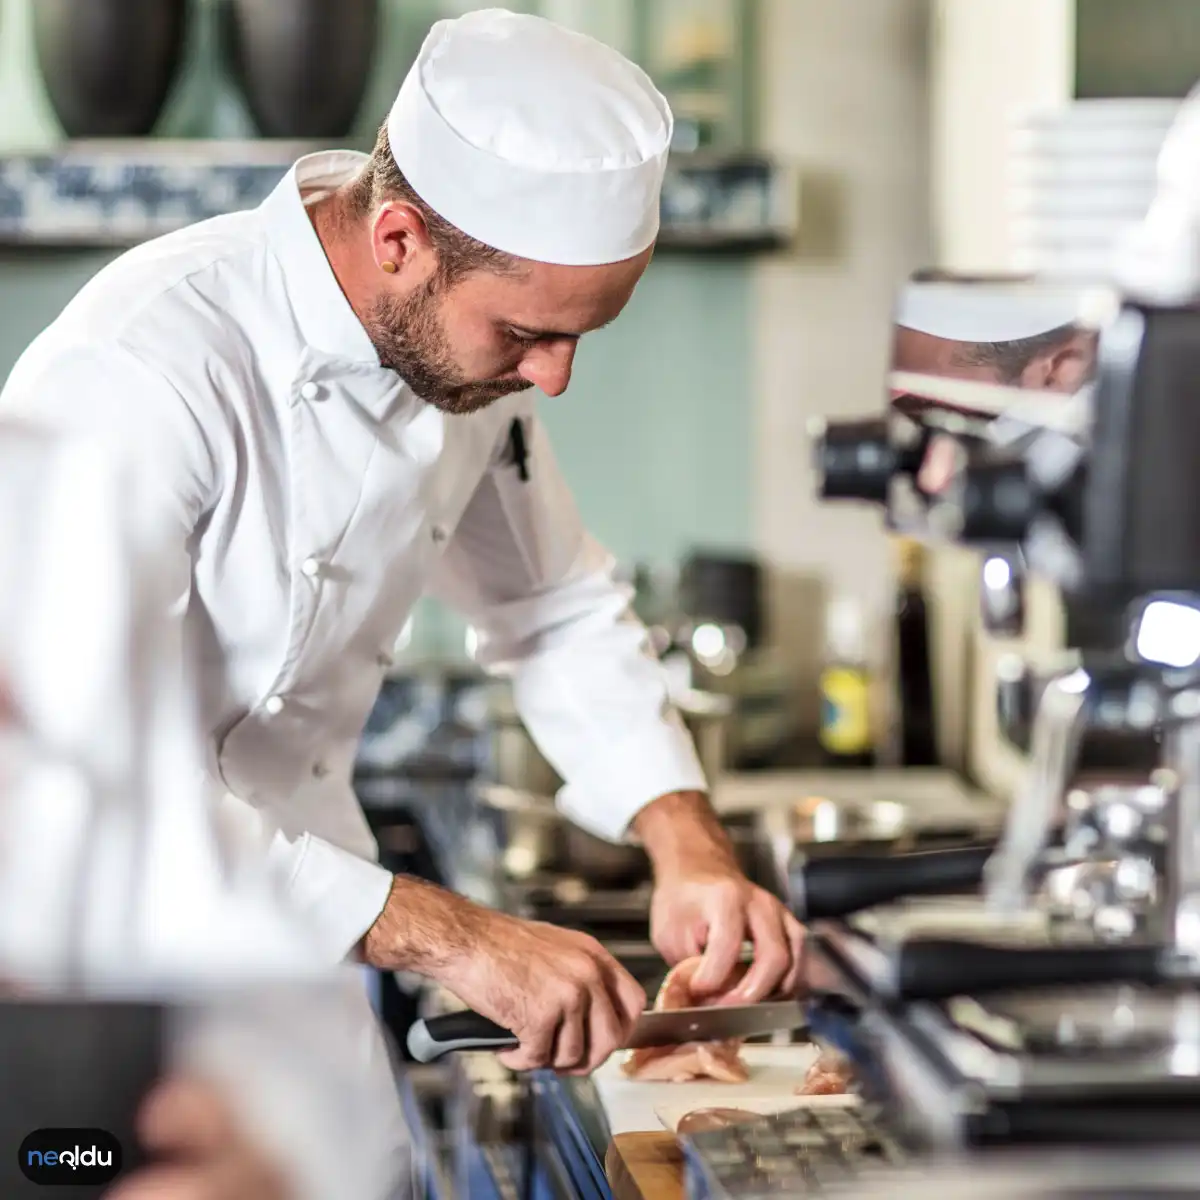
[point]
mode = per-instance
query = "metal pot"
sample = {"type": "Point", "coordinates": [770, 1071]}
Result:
{"type": "Point", "coordinates": [518, 763]}
{"type": "Point", "coordinates": [527, 830]}
{"type": "Point", "coordinates": [707, 716]}
{"type": "Point", "coordinates": [599, 862]}
{"type": "Point", "coordinates": [535, 839]}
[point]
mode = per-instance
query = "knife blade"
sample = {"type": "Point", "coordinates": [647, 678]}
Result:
{"type": "Point", "coordinates": [429, 1039]}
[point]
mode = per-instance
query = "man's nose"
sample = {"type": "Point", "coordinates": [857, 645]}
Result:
{"type": "Point", "coordinates": [548, 366]}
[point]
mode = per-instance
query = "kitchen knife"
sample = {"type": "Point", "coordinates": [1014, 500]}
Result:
{"type": "Point", "coordinates": [430, 1039]}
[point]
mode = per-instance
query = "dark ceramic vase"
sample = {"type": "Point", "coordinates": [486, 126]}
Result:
{"type": "Point", "coordinates": [302, 65]}
{"type": "Point", "coordinates": [108, 65]}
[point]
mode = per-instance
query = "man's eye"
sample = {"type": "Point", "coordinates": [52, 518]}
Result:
{"type": "Point", "coordinates": [526, 339]}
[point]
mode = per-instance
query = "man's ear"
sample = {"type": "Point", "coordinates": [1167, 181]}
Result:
{"type": "Point", "coordinates": [401, 243]}
{"type": "Point", "coordinates": [1064, 369]}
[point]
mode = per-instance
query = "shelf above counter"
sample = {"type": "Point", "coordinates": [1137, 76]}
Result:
{"type": "Point", "coordinates": [112, 195]}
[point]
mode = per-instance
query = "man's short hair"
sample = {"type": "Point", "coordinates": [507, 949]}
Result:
{"type": "Point", "coordinates": [458, 253]}
{"type": "Point", "coordinates": [1009, 359]}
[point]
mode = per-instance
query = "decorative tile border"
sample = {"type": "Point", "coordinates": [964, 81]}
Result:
{"type": "Point", "coordinates": [122, 193]}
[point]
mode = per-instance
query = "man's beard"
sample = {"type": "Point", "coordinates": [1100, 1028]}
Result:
{"type": "Point", "coordinates": [409, 339]}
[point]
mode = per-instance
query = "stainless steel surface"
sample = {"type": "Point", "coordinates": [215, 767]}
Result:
{"type": "Point", "coordinates": [825, 823]}
{"type": "Point", "coordinates": [538, 846]}
{"type": "Point", "coordinates": [518, 763]}
{"type": "Point", "coordinates": [1160, 1056]}
{"type": "Point", "coordinates": [1092, 1017]}
{"type": "Point", "coordinates": [1057, 732]}
{"type": "Point", "coordinates": [708, 717]}
{"type": "Point", "coordinates": [1061, 1174]}
{"type": "Point", "coordinates": [1126, 865]}
{"type": "Point", "coordinates": [1181, 780]}
{"type": "Point", "coordinates": [822, 819]}
{"type": "Point", "coordinates": [598, 861]}
{"type": "Point", "coordinates": [950, 917]}
{"type": "Point", "coordinates": [535, 840]}
{"type": "Point", "coordinates": [717, 1023]}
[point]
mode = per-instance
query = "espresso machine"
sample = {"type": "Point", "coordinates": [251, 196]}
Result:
{"type": "Point", "coordinates": [1045, 989]}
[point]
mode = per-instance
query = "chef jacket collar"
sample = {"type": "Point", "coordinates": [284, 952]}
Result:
{"type": "Point", "coordinates": [327, 322]}
{"type": "Point", "coordinates": [337, 345]}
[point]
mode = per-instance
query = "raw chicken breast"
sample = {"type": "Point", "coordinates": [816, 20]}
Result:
{"type": "Point", "coordinates": [830, 1075]}
{"type": "Point", "coordinates": [694, 1060]}
{"type": "Point", "coordinates": [702, 1120]}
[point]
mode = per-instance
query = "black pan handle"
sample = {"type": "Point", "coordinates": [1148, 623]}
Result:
{"type": "Point", "coordinates": [429, 1039]}
{"type": "Point", "coordinates": [846, 884]}
{"type": "Point", "coordinates": [939, 968]}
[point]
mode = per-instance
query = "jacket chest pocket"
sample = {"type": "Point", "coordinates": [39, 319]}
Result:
{"type": "Point", "coordinates": [535, 504]}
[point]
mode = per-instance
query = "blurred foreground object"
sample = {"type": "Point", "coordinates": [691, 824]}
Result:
{"type": "Point", "coordinates": [1159, 260]}
{"type": "Point", "coordinates": [121, 913]}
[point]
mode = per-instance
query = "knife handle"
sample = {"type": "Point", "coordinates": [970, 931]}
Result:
{"type": "Point", "coordinates": [939, 968]}
{"type": "Point", "coordinates": [846, 884]}
{"type": "Point", "coordinates": [429, 1039]}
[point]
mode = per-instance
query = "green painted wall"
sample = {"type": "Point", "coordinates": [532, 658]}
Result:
{"type": "Point", "coordinates": [1143, 48]}
{"type": "Point", "coordinates": [655, 431]}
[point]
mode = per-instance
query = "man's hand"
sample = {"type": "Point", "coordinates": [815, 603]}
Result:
{"type": "Point", "coordinates": [704, 903]}
{"type": "Point", "coordinates": [562, 994]}
{"type": "Point", "coordinates": [938, 467]}
{"type": "Point", "coordinates": [202, 1153]}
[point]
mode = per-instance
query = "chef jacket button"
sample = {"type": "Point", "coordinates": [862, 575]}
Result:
{"type": "Point", "coordinates": [319, 770]}
{"type": "Point", "coordinates": [311, 567]}
{"type": "Point", "coordinates": [438, 533]}
{"type": "Point", "coordinates": [384, 659]}
{"type": "Point", "coordinates": [310, 391]}
{"type": "Point", "coordinates": [273, 705]}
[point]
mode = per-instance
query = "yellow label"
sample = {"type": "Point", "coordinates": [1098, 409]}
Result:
{"type": "Point", "coordinates": [845, 710]}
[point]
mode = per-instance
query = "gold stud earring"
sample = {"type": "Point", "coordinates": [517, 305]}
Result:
{"type": "Point", "coordinates": [389, 267]}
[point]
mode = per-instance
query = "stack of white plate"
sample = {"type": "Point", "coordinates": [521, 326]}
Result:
{"type": "Point", "coordinates": [1078, 177]}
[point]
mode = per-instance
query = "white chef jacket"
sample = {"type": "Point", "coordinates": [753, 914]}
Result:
{"type": "Point", "coordinates": [316, 498]}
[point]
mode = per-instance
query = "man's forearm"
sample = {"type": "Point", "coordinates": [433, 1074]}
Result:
{"type": "Point", "coordinates": [422, 928]}
{"type": "Point", "coordinates": [681, 832]}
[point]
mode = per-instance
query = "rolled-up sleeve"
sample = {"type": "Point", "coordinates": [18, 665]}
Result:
{"type": "Point", "coordinates": [541, 595]}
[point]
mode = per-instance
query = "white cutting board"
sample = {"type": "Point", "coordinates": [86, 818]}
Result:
{"type": "Point", "coordinates": [634, 1107]}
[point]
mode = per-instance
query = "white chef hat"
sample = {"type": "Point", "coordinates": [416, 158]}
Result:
{"type": "Point", "coordinates": [533, 139]}
{"type": "Point", "coordinates": [962, 312]}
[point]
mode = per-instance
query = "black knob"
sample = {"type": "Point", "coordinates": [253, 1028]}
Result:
{"type": "Point", "coordinates": [846, 884]}
{"type": "Point", "coordinates": [856, 460]}
{"type": "Point", "coordinates": [938, 968]}
{"type": "Point", "coordinates": [999, 502]}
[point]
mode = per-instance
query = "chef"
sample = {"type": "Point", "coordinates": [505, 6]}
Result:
{"type": "Point", "coordinates": [332, 397]}
{"type": "Point", "coordinates": [1030, 341]}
